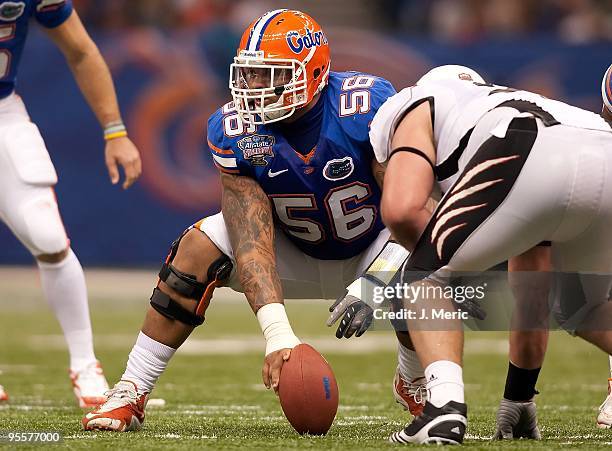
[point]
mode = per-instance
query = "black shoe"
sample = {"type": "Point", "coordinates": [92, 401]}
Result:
{"type": "Point", "coordinates": [441, 425]}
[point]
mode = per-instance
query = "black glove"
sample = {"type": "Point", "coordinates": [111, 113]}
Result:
{"type": "Point", "coordinates": [472, 307]}
{"type": "Point", "coordinates": [356, 316]}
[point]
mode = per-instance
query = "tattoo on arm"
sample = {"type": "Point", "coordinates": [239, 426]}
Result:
{"type": "Point", "coordinates": [248, 217]}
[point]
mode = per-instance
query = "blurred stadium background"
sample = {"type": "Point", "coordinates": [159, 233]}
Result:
{"type": "Point", "coordinates": [170, 63]}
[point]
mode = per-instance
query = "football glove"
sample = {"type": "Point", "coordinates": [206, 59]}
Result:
{"type": "Point", "coordinates": [356, 316]}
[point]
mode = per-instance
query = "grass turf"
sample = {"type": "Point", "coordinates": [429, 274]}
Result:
{"type": "Point", "coordinates": [216, 400]}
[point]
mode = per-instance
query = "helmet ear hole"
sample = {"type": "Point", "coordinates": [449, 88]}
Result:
{"type": "Point", "coordinates": [316, 73]}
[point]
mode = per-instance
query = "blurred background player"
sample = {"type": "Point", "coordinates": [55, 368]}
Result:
{"type": "Point", "coordinates": [604, 418]}
{"type": "Point", "coordinates": [299, 206]}
{"type": "Point", "coordinates": [27, 201]}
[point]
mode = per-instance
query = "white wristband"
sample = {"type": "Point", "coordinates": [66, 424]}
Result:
{"type": "Point", "coordinates": [276, 328]}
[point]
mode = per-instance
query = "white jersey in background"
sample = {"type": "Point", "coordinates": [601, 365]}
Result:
{"type": "Point", "coordinates": [457, 106]}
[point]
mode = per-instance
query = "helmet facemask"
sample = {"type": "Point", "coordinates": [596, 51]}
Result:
{"type": "Point", "coordinates": [267, 90]}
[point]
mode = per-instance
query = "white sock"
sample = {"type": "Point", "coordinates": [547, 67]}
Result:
{"type": "Point", "coordinates": [444, 382]}
{"type": "Point", "coordinates": [64, 287]}
{"type": "Point", "coordinates": [147, 361]}
{"type": "Point", "coordinates": [610, 358]}
{"type": "Point", "coordinates": [409, 364]}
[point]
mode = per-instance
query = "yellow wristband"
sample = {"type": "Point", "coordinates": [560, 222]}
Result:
{"type": "Point", "coordinates": [121, 134]}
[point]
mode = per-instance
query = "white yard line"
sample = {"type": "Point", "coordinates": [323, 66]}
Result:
{"type": "Point", "coordinates": [254, 344]}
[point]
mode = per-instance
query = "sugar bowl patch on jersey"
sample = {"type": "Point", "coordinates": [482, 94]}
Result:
{"type": "Point", "coordinates": [328, 197]}
{"type": "Point", "coordinates": [256, 148]}
{"type": "Point", "coordinates": [14, 22]}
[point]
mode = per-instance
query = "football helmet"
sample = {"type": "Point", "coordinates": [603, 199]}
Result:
{"type": "Point", "coordinates": [606, 92]}
{"type": "Point", "coordinates": [451, 72]}
{"type": "Point", "coordinates": [282, 63]}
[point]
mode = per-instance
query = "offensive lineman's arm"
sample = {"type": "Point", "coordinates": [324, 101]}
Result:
{"type": "Point", "coordinates": [409, 178]}
{"type": "Point", "coordinates": [94, 79]}
{"type": "Point", "coordinates": [248, 218]}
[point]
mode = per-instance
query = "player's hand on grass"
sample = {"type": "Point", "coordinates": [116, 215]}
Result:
{"type": "Point", "coordinates": [356, 316]}
{"type": "Point", "coordinates": [273, 363]}
{"type": "Point", "coordinates": [517, 420]}
{"type": "Point", "coordinates": [122, 152]}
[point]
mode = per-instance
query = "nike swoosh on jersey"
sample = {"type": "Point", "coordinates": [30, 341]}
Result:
{"type": "Point", "coordinates": [274, 174]}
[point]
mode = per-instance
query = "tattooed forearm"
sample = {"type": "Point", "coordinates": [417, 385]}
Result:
{"type": "Point", "coordinates": [248, 217]}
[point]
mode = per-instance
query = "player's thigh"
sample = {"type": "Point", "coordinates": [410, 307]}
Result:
{"type": "Point", "coordinates": [27, 201]}
{"type": "Point", "coordinates": [583, 269]}
{"type": "Point", "coordinates": [300, 274]}
{"type": "Point", "coordinates": [507, 200]}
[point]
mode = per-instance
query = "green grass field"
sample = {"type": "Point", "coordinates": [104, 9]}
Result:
{"type": "Point", "coordinates": [214, 395]}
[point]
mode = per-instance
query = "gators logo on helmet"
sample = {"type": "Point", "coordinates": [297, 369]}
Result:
{"type": "Point", "coordinates": [282, 63]}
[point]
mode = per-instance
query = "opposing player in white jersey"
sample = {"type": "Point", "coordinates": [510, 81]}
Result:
{"type": "Point", "coordinates": [28, 204]}
{"type": "Point", "coordinates": [517, 413]}
{"type": "Point", "coordinates": [516, 169]}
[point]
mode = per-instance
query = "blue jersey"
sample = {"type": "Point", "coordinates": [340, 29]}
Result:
{"type": "Point", "coordinates": [327, 200]}
{"type": "Point", "coordinates": [14, 20]}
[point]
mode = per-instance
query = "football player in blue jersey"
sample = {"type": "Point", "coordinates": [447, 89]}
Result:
{"type": "Point", "coordinates": [27, 201]}
{"type": "Point", "coordinates": [300, 208]}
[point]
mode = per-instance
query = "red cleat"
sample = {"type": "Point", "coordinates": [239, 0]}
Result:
{"type": "Point", "coordinates": [123, 410]}
{"type": "Point", "coordinates": [412, 395]}
{"type": "Point", "coordinates": [3, 394]}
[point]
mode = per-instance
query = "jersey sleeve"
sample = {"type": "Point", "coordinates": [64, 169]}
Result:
{"type": "Point", "coordinates": [221, 150]}
{"type": "Point", "coordinates": [389, 115]}
{"type": "Point", "coordinates": [358, 97]}
{"type": "Point", "coordinates": [52, 13]}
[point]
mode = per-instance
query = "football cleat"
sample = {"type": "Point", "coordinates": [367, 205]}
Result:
{"type": "Point", "coordinates": [436, 425]}
{"type": "Point", "coordinates": [517, 419]}
{"type": "Point", "coordinates": [123, 410]}
{"type": "Point", "coordinates": [3, 394]}
{"type": "Point", "coordinates": [604, 419]}
{"type": "Point", "coordinates": [89, 385]}
{"type": "Point", "coordinates": [411, 395]}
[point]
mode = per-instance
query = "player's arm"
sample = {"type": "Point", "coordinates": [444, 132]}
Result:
{"type": "Point", "coordinates": [353, 307]}
{"type": "Point", "coordinates": [248, 218]}
{"type": "Point", "coordinates": [409, 178]}
{"type": "Point", "coordinates": [95, 82]}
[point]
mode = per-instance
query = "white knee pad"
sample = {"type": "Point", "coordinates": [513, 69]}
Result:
{"type": "Point", "coordinates": [26, 151]}
{"type": "Point", "coordinates": [214, 227]}
{"type": "Point", "coordinates": [44, 231]}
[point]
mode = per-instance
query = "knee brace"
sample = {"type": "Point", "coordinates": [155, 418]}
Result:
{"type": "Point", "coordinates": [187, 285]}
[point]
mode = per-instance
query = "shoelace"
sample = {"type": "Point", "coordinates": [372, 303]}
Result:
{"type": "Point", "coordinates": [416, 390]}
{"type": "Point", "coordinates": [117, 397]}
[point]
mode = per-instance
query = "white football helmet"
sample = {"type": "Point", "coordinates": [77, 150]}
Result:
{"type": "Point", "coordinates": [451, 72]}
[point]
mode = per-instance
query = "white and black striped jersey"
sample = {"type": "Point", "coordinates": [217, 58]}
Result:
{"type": "Point", "coordinates": [456, 109]}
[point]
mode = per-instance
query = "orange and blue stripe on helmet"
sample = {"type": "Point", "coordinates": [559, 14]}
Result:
{"type": "Point", "coordinates": [259, 29]}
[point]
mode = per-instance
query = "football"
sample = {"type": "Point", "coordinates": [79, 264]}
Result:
{"type": "Point", "coordinates": [308, 391]}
